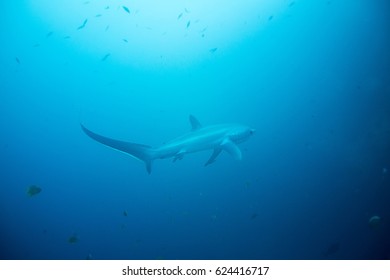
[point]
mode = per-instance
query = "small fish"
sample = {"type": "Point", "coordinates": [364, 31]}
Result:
{"type": "Point", "coordinates": [126, 9]}
{"type": "Point", "coordinates": [83, 25]}
{"type": "Point", "coordinates": [270, 18]}
{"type": "Point", "coordinates": [179, 16]}
{"type": "Point", "coordinates": [98, 15]}
{"type": "Point", "coordinates": [49, 34]}
{"type": "Point", "coordinates": [291, 4]}
{"type": "Point", "coordinates": [73, 239]}
{"type": "Point", "coordinates": [213, 50]}
{"type": "Point", "coordinates": [188, 24]}
{"type": "Point", "coordinates": [36, 45]}
{"type": "Point", "coordinates": [33, 190]}
{"type": "Point", "coordinates": [86, 2]}
{"type": "Point", "coordinates": [107, 27]}
{"type": "Point", "coordinates": [106, 56]}
{"type": "Point", "coordinates": [107, 7]}
{"type": "Point", "coordinates": [17, 60]}
{"type": "Point", "coordinates": [187, 11]}
{"type": "Point", "coordinates": [125, 213]}
{"type": "Point", "coordinates": [67, 37]}
{"type": "Point", "coordinates": [125, 40]}
{"type": "Point", "coordinates": [254, 216]}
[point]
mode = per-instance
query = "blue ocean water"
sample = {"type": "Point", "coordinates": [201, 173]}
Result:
{"type": "Point", "coordinates": [312, 77]}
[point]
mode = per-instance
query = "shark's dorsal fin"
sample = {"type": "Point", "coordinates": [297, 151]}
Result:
{"type": "Point", "coordinates": [195, 124]}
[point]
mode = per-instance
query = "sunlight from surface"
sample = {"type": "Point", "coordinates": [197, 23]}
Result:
{"type": "Point", "coordinates": [146, 31]}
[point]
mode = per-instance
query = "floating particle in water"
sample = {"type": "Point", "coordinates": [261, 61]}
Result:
{"type": "Point", "coordinates": [374, 222]}
{"type": "Point", "coordinates": [332, 249]}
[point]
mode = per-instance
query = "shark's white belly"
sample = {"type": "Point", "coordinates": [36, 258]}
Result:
{"type": "Point", "coordinates": [191, 143]}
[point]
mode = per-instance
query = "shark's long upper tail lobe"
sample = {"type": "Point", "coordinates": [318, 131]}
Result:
{"type": "Point", "coordinates": [141, 152]}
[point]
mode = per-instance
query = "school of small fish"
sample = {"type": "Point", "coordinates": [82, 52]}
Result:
{"type": "Point", "coordinates": [184, 14]}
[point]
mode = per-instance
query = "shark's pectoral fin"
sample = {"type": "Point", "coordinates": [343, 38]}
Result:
{"type": "Point", "coordinates": [214, 155]}
{"type": "Point", "coordinates": [231, 148]}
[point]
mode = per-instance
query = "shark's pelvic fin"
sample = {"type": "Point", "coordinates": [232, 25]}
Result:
{"type": "Point", "coordinates": [195, 124]}
{"type": "Point", "coordinates": [231, 148]}
{"type": "Point", "coordinates": [179, 155]}
{"type": "Point", "coordinates": [141, 152]}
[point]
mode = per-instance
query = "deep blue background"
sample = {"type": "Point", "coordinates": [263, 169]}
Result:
{"type": "Point", "coordinates": [314, 81]}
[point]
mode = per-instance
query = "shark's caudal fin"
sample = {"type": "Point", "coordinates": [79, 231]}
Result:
{"type": "Point", "coordinates": [141, 152]}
